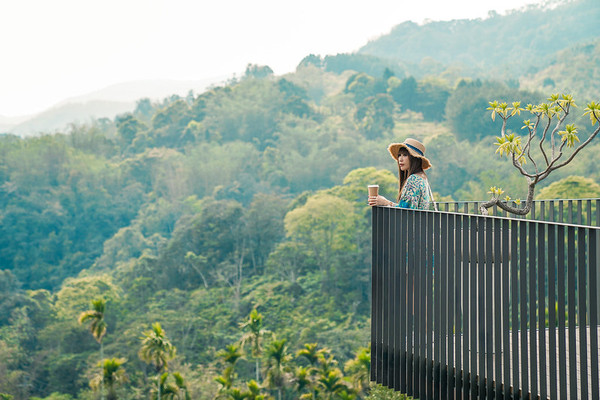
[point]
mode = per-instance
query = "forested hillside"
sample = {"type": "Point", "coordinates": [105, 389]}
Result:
{"type": "Point", "coordinates": [228, 231]}
{"type": "Point", "coordinates": [565, 70]}
{"type": "Point", "coordinates": [507, 46]}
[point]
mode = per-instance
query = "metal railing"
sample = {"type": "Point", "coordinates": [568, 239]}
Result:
{"type": "Point", "coordinates": [568, 211]}
{"type": "Point", "coordinates": [467, 306]}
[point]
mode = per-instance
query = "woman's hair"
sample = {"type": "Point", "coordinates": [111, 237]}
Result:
{"type": "Point", "coordinates": [416, 166]}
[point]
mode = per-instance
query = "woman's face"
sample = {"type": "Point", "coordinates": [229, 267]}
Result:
{"type": "Point", "coordinates": [404, 160]}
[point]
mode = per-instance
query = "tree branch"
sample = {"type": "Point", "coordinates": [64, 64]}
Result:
{"type": "Point", "coordinates": [543, 139]}
{"type": "Point", "coordinates": [527, 148]}
{"type": "Point", "coordinates": [503, 129]}
{"type": "Point", "coordinates": [513, 210]}
{"type": "Point", "coordinates": [520, 168]}
{"type": "Point", "coordinates": [578, 149]}
{"type": "Point", "coordinates": [528, 144]}
{"type": "Point", "coordinates": [555, 130]}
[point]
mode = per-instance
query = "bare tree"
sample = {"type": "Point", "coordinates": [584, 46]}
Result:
{"type": "Point", "coordinates": [550, 118]}
{"type": "Point", "coordinates": [232, 272]}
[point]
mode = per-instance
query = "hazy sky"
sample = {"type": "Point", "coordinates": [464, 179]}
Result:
{"type": "Point", "coordinates": [52, 50]}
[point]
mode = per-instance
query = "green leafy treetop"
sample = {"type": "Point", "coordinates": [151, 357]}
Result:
{"type": "Point", "coordinates": [230, 355]}
{"type": "Point", "coordinates": [97, 327]}
{"type": "Point", "coordinates": [574, 187]}
{"type": "Point", "coordinates": [277, 358]}
{"type": "Point", "coordinates": [110, 376]}
{"type": "Point", "coordinates": [156, 348]}
{"type": "Point", "coordinates": [359, 370]}
{"type": "Point", "coordinates": [96, 318]}
{"type": "Point", "coordinates": [550, 118]}
{"type": "Point", "coordinates": [254, 336]}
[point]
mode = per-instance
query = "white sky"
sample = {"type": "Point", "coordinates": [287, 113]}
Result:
{"type": "Point", "coordinates": [54, 49]}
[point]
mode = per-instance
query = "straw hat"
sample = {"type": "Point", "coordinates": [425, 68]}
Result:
{"type": "Point", "coordinates": [414, 147]}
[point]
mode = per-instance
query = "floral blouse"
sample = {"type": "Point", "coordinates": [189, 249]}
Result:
{"type": "Point", "coordinates": [415, 194]}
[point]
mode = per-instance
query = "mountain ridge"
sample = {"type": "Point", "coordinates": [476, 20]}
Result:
{"type": "Point", "coordinates": [102, 103]}
{"type": "Point", "coordinates": [509, 45]}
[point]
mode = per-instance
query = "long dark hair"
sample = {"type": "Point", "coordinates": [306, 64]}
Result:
{"type": "Point", "coordinates": [416, 166]}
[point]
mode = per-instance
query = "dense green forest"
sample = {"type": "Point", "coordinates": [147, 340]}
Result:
{"type": "Point", "coordinates": [507, 46]}
{"type": "Point", "coordinates": [218, 245]}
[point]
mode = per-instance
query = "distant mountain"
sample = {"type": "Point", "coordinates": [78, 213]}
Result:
{"type": "Point", "coordinates": [152, 89]}
{"type": "Point", "coordinates": [104, 103]}
{"type": "Point", "coordinates": [59, 117]}
{"type": "Point", "coordinates": [507, 46]}
{"type": "Point", "coordinates": [7, 122]}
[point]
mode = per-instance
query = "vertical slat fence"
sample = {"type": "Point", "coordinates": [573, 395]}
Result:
{"type": "Point", "coordinates": [569, 211]}
{"type": "Point", "coordinates": [468, 306]}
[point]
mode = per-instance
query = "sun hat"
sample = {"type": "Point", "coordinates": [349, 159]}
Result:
{"type": "Point", "coordinates": [414, 147]}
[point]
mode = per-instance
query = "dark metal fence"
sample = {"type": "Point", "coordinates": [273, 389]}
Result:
{"type": "Point", "coordinates": [467, 306]}
{"type": "Point", "coordinates": [568, 211]}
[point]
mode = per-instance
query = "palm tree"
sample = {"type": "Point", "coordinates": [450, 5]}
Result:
{"type": "Point", "coordinates": [347, 394]}
{"type": "Point", "coordinates": [172, 389]}
{"type": "Point", "coordinates": [327, 363]}
{"type": "Point", "coordinates": [98, 324]}
{"type": "Point", "coordinates": [316, 358]}
{"type": "Point", "coordinates": [110, 377]}
{"type": "Point", "coordinates": [253, 392]}
{"type": "Point", "coordinates": [277, 360]}
{"type": "Point", "coordinates": [359, 370]}
{"type": "Point", "coordinates": [331, 384]}
{"type": "Point", "coordinates": [182, 386]}
{"type": "Point", "coordinates": [97, 327]}
{"type": "Point", "coordinates": [157, 349]}
{"type": "Point", "coordinates": [230, 355]}
{"type": "Point", "coordinates": [167, 390]}
{"type": "Point", "coordinates": [225, 380]}
{"type": "Point", "coordinates": [236, 394]}
{"type": "Point", "coordinates": [312, 353]}
{"type": "Point", "coordinates": [254, 336]}
{"type": "Point", "coordinates": [303, 380]}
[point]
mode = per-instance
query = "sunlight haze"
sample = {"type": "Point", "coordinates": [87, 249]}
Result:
{"type": "Point", "coordinates": [55, 50]}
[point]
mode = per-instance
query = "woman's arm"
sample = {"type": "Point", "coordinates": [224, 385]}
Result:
{"type": "Point", "coordinates": [380, 201]}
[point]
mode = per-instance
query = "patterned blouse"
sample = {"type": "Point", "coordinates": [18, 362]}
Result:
{"type": "Point", "coordinates": [415, 194]}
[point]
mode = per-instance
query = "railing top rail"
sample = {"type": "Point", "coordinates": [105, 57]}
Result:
{"type": "Point", "coordinates": [513, 200]}
{"type": "Point", "coordinates": [581, 211]}
{"type": "Point", "coordinates": [533, 221]}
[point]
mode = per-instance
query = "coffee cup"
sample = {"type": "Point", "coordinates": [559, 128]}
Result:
{"type": "Point", "coordinates": [373, 190]}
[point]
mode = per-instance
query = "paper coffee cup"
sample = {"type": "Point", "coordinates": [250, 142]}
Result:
{"type": "Point", "coordinates": [373, 190]}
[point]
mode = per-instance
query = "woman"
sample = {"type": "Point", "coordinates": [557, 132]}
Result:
{"type": "Point", "coordinates": [413, 188]}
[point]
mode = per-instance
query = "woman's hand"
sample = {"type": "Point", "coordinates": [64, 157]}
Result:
{"type": "Point", "coordinates": [379, 201]}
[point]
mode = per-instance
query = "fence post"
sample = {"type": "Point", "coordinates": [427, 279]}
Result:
{"type": "Point", "coordinates": [597, 266]}
{"type": "Point", "coordinates": [594, 274]}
